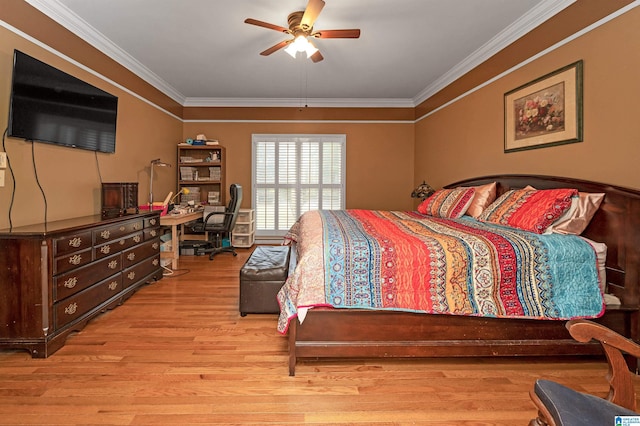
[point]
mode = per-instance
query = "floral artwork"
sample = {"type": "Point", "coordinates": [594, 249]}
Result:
{"type": "Point", "coordinates": [546, 111]}
{"type": "Point", "coordinates": [541, 112]}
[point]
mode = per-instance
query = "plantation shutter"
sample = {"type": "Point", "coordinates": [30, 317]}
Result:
{"type": "Point", "coordinates": [293, 174]}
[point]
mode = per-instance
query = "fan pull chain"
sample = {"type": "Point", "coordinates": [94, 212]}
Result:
{"type": "Point", "coordinates": [304, 85]}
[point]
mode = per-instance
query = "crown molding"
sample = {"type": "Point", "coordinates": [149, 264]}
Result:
{"type": "Point", "coordinates": [71, 21]}
{"type": "Point", "coordinates": [526, 23]}
{"type": "Point", "coordinates": [297, 102]}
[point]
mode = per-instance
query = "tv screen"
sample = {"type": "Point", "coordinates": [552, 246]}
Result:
{"type": "Point", "coordinates": [49, 105]}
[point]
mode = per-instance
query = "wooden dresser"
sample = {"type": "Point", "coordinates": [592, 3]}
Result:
{"type": "Point", "coordinates": [54, 278]}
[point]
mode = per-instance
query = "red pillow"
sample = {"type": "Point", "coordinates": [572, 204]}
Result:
{"type": "Point", "coordinates": [529, 209]}
{"type": "Point", "coordinates": [448, 203]}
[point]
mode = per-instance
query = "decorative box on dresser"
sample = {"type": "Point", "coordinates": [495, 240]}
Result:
{"type": "Point", "coordinates": [55, 277]}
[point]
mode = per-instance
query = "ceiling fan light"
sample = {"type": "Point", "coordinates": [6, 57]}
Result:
{"type": "Point", "coordinates": [291, 50]}
{"type": "Point", "coordinates": [301, 43]}
{"type": "Point", "coordinates": [310, 49]}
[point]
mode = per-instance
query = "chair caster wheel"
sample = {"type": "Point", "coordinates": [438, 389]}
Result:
{"type": "Point", "coordinates": [235, 254]}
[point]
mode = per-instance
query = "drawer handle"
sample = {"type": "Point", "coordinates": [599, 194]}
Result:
{"type": "Point", "coordinates": [75, 242]}
{"type": "Point", "coordinates": [153, 233]}
{"type": "Point", "coordinates": [121, 242]}
{"type": "Point", "coordinates": [131, 256]}
{"type": "Point", "coordinates": [71, 309]}
{"type": "Point", "coordinates": [131, 275]}
{"type": "Point", "coordinates": [75, 259]}
{"type": "Point", "coordinates": [113, 285]}
{"type": "Point", "coordinates": [105, 249]}
{"type": "Point", "coordinates": [155, 262]}
{"type": "Point", "coordinates": [113, 264]}
{"type": "Point", "coordinates": [71, 282]}
{"type": "Point", "coordinates": [152, 221]}
{"type": "Point", "coordinates": [155, 246]}
{"type": "Point", "coordinates": [105, 234]}
{"type": "Point", "coordinates": [137, 226]}
{"type": "Point", "coordinates": [122, 228]}
{"type": "Point", "coordinates": [136, 238]}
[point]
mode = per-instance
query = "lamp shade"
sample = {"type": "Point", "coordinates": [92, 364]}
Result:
{"type": "Point", "coordinates": [422, 191]}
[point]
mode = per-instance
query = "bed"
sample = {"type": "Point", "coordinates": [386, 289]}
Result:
{"type": "Point", "coordinates": [366, 332]}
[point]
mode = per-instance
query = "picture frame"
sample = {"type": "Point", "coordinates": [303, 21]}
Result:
{"type": "Point", "coordinates": [546, 111]}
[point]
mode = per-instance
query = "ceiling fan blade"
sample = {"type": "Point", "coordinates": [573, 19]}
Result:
{"type": "Point", "coordinates": [266, 25]}
{"type": "Point", "coordinates": [314, 7]}
{"type": "Point", "coordinates": [275, 47]}
{"type": "Point", "coordinates": [353, 33]}
{"type": "Point", "coordinates": [317, 57]}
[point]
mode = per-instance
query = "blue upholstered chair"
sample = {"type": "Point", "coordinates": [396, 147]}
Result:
{"type": "Point", "coordinates": [559, 405]}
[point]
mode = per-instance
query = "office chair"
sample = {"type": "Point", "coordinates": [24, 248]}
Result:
{"type": "Point", "coordinates": [559, 405]}
{"type": "Point", "coordinates": [217, 229]}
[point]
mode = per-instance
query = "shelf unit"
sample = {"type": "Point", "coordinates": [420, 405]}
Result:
{"type": "Point", "coordinates": [201, 169]}
{"type": "Point", "coordinates": [244, 232]}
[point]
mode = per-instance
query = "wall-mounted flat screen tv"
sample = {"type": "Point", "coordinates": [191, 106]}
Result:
{"type": "Point", "coordinates": [49, 105]}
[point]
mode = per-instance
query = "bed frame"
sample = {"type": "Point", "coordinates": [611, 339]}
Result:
{"type": "Point", "coordinates": [353, 333]}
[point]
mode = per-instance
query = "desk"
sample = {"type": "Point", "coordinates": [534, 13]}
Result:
{"type": "Point", "coordinates": [173, 220]}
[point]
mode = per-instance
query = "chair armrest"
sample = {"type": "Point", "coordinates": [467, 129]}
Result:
{"type": "Point", "coordinates": [621, 389]}
{"type": "Point", "coordinates": [212, 214]}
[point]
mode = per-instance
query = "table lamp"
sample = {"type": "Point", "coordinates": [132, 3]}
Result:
{"type": "Point", "coordinates": [422, 191]}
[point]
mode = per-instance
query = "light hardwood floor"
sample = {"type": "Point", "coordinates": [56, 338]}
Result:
{"type": "Point", "coordinates": [178, 352]}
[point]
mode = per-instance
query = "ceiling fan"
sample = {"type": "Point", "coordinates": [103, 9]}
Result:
{"type": "Point", "coordinates": [301, 27]}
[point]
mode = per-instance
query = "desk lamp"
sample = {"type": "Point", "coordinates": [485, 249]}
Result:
{"type": "Point", "coordinates": [156, 163]}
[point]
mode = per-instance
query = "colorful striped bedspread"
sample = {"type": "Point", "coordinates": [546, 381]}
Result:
{"type": "Point", "coordinates": [391, 260]}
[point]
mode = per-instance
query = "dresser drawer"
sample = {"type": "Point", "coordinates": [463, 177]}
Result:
{"type": "Point", "coordinates": [81, 303]}
{"type": "Point", "coordinates": [72, 261]}
{"type": "Point", "coordinates": [141, 270]}
{"type": "Point", "coordinates": [151, 233]}
{"type": "Point", "coordinates": [135, 254]}
{"type": "Point", "coordinates": [113, 232]}
{"type": "Point", "coordinates": [71, 243]}
{"type": "Point", "coordinates": [72, 282]}
{"type": "Point", "coordinates": [152, 222]}
{"type": "Point", "coordinates": [117, 245]}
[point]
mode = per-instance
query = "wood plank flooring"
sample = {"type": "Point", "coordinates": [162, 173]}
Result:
{"type": "Point", "coordinates": [178, 353]}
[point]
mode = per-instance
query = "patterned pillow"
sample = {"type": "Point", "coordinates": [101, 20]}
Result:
{"type": "Point", "coordinates": [529, 209]}
{"type": "Point", "coordinates": [448, 203]}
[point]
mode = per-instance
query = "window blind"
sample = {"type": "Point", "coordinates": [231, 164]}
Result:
{"type": "Point", "coordinates": [293, 174]}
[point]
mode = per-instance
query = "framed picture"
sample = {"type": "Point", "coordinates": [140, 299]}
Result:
{"type": "Point", "coordinates": [545, 112]}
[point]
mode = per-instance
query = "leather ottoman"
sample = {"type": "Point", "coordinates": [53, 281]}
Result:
{"type": "Point", "coordinates": [261, 277]}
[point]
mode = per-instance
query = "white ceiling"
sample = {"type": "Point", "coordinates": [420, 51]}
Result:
{"type": "Point", "coordinates": [200, 52]}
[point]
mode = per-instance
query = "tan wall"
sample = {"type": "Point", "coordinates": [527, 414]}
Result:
{"type": "Point", "coordinates": [384, 159]}
{"type": "Point", "coordinates": [379, 157]}
{"type": "Point", "coordinates": [466, 139]}
{"type": "Point", "coordinates": [70, 178]}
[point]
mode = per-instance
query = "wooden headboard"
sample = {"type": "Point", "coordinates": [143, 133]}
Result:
{"type": "Point", "coordinates": [616, 223]}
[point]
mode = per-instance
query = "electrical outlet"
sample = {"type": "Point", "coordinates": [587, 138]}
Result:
{"type": "Point", "coordinates": [3, 160]}
{"type": "Point", "coordinates": [1, 178]}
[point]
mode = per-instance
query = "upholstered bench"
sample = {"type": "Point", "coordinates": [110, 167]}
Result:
{"type": "Point", "coordinates": [261, 277]}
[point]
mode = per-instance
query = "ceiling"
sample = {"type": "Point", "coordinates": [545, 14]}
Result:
{"type": "Point", "coordinates": [200, 52]}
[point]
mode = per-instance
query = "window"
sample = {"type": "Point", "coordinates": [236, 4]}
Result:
{"type": "Point", "coordinates": [293, 174]}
